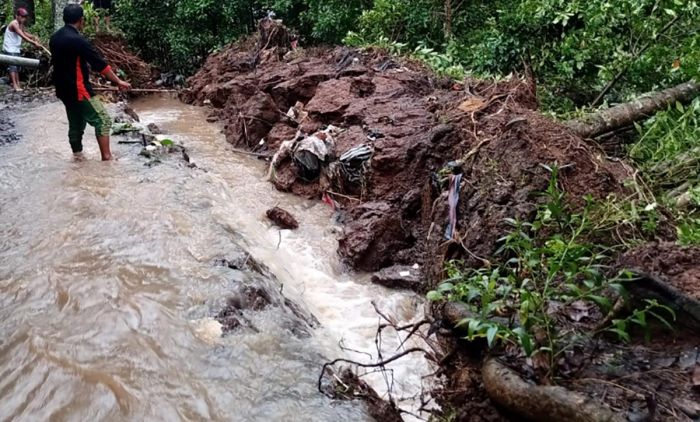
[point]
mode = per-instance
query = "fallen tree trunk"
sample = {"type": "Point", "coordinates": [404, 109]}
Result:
{"type": "Point", "coordinates": [539, 402]}
{"type": "Point", "coordinates": [623, 115]}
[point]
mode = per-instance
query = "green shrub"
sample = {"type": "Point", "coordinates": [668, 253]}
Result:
{"type": "Point", "coordinates": [668, 155]}
{"type": "Point", "coordinates": [548, 267]}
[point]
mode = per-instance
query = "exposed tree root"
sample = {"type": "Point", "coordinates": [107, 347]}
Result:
{"type": "Point", "coordinates": [541, 403]}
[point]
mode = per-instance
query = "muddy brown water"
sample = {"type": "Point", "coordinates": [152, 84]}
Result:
{"type": "Point", "coordinates": [108, 284]}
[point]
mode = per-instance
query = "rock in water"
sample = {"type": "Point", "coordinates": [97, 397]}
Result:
{"type": "Point", "coordinates": [282, 218]}
{"type": "Point", "coordinates": [208, 330]}
{"type": "Point", "coordinates": [398, 277]}
{"type": "Point", "coordinates": [154, 129]}
{"type": "Point", "coordinates": [131, 113]}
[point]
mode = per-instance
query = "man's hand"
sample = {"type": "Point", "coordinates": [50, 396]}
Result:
{"type": "Point", "coordinates": [124, 86]}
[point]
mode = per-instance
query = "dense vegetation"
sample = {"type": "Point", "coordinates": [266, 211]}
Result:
{"type": "Point", "coordinates": [575, 48]}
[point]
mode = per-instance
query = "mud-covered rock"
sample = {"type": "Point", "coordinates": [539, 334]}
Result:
{"type": "Point", "coordinates": [154, 129]}
{"type": "Point", "coordinates": [399, 277]}
{"type": "Point", "coordinates": [282, 218]}
{"type": "Point", "coordinates": [373, 236]}
{"type": "Point", "coordinates": [7, 132]}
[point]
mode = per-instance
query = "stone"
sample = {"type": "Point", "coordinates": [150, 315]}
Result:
{"type": "Point", "coordinates": [282, 218]}
{"type": "Point", "coordinates": [154, 129]}
{"type": "Point", "coordinates": [398, 277]}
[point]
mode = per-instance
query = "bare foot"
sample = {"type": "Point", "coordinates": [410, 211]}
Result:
{"type": "Point", "coordinates": [18, 89]}
{"type": "Point", "coordinates": [78, 156]}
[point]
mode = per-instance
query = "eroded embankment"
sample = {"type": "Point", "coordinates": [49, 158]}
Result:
{"type": "Point", "coordinates": [414, 125]}
{"type": "Point", "coordinates": [380, 138]}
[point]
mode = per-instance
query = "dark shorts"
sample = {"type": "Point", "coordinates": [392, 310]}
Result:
{"type": "Point", "coordinates": [102, 4]}
{"type": "Point", "coordinates": [13, 68]}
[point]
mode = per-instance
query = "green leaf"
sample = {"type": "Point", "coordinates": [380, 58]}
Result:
{"type": "Point", "coordinates": [663, 320]}
{"type": "Point", "coordinates": [463, 322]}
{"type": "Point", "coordinates": [473, 326]}
{"type": "Point", "coordinates": [491, 335]}
{"type": "Point", "coordinates": [601, 301]}
{"type": "Point", "coordinates": [434, 296]}
{"type": "Point", "coordinates": [622, 334]}
{"type": "Point", "coordinates": [525, 340]}
{"type": "Point", "coordinates": [167, 142]}
{"type": "Point", "coordinates": [640, 318]}
{"type": "Point", "coordinates": [446, 287]}
{"type": "Point", "coordinates": [618, 288]}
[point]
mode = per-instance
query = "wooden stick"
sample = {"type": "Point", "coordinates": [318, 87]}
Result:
{"type": "Point", "coordinates": [252, 154]}
{"type": "Point", "coordinates": [344, 196]}
{"type": "Point", "coordinates": [109, 89]}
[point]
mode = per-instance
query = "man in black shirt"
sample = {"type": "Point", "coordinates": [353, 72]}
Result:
{"type": "Point", "coordinates": [73, 57]}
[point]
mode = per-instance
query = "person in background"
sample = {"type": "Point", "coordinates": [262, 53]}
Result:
{"type": "Point", "coordinates": [15, 33]}
{"type": "Point", "coordinates": [71, 54]}
{"type": "Point", "coordinates": [102, 8]}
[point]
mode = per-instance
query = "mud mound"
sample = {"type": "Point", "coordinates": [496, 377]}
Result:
{"type": "Point", "coordinates": [412, 124]}
{"type": "Point", "coordinates": [115, 51]}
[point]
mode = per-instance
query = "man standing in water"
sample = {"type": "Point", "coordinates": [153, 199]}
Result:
{"type": "Point", "coordinates": [12, 43]}
{"type": "Point", "coordinates": [71, 54]}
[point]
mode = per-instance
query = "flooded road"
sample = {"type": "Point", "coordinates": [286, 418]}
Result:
{"type": "Point", "coordinates": [108, 279]}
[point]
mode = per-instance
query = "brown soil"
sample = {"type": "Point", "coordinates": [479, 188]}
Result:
{"type": "Point", "coordinates": [643, 380]}
{"type": "Point", "coordinates": [401, 213]}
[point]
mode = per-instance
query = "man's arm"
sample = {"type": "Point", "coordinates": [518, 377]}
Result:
{"type": "Point", "coordinates": [110, 75]}
{"type": "Point", "coordinates": [98, 64]}
{"type": "Point", "coordinates": [17, 28]}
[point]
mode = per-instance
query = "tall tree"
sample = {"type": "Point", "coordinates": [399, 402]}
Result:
{"type": "Point", "coordinates": [57, 6]}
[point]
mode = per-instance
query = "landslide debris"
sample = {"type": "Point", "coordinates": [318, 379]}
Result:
{"type": "Point", "coordinates": [399, 128]}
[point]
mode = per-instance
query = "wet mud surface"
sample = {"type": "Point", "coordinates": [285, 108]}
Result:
{"type": "Point", "coordinates": [7, 131]}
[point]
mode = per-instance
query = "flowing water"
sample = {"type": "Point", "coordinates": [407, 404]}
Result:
{"type": "Point", "coordinates": [108, 283]}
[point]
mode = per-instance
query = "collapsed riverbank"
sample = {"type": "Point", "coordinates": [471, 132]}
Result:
{"type": "Point", "coordinates": [424, 171]}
